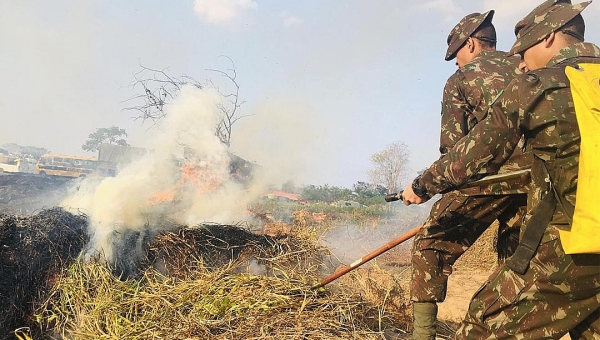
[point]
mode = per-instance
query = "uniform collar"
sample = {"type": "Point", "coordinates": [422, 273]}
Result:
{"type": "Point", "coordinates": [485, 54]}
{"type": "Point", "coordinates": [580, 49]}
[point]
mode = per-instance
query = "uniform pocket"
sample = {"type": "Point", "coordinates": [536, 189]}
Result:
{"type": "Point", "coordinates": [493, 303]}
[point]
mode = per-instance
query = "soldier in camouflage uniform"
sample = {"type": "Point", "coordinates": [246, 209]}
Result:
{"type": "Point", "coordinates": [459, 218]}
{"type": "Point", "coordinates": [540, 292]}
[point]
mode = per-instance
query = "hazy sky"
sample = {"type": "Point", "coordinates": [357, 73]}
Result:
{"type": "Point", "coordinates": [326, 83]}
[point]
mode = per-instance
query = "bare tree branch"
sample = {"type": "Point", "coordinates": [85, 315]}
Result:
{"type": "Point", "coordinates": [156, 89]}
{"type": "Point", "coordinates": [228, 111]}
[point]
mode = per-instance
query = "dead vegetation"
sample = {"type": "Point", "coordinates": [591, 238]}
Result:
{"type": "Point", "coordinates": [193, 294]}
{"type": "Point", "coordinates": [201, 282]}
{"type": "Point", "coordinates": [34, 251]}
{"type": "Point", "coordinates": [89, 303]}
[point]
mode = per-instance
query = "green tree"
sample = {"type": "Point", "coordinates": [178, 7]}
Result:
{"type": "Point", "coordinates": [325, 193]}
{"type": "Point", "coordinates": [368, 193]}
{"type": "Point", "coordinates": [369, 189]}
{"type": "Point", "coordinates": [390, 166]}
{"type": "Point", "coordinates": [111, 135]}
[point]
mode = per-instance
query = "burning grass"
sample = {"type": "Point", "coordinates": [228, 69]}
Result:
{"type": "Point", "coordinates": [200, 282]}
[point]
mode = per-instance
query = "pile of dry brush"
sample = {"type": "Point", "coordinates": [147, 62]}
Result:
{"type": "Point", "coordinates": [34, 251]}
{"type": "Point", "coordinates": [199, 282]}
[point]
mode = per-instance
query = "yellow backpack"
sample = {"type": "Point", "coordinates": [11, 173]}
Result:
{"type": "Point", "coordinates": [584, 237]}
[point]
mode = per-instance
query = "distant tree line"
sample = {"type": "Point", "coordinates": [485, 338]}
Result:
{"type": "Point", "coordinates": [34, 151]}
{"type": "Point", "coordinates": [361, 192]}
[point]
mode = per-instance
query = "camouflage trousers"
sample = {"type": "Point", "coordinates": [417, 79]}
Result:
{"type": "Point", "coordinates": [454, 224]}
{"type": "Point", "coordinates": [558, 294]}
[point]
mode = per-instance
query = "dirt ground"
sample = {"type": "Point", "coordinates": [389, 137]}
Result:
{"type": "Point", "coordinates": [470, 272]}
{"type": "Point", "coordinates": [462, 284]}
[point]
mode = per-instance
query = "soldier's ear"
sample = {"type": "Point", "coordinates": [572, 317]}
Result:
{"type": "Point", "coordinates": [471, 44]}
{"type": "Point", "coordinates": [549, 40]}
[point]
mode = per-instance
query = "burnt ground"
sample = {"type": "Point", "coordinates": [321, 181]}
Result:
{"type": "Point", "coordinates": [24, 194]}
{"type": "Point", "coordinates": [33, 251]}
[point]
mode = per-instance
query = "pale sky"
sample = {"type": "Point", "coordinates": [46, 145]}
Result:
{"type": "Point", "coordinates": [326, 84]}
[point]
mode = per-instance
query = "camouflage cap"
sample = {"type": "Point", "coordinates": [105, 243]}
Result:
{"type": "Point", "coordinates": [463, 30]}
{"type": "Point", "coordinates": [543, 20]}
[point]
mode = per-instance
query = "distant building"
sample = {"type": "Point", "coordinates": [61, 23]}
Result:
{"type": "Point", "coordinates": [283, 196]}
{"type": "Point", "coordinates": [17, 163]}
{"type": "Point", "coordinates": [111, 157]}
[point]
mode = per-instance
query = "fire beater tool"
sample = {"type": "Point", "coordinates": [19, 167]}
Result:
{"type": "Point", "coordinates": [514, 182]}
{"type": "Point", "coordinates": [368, 257]}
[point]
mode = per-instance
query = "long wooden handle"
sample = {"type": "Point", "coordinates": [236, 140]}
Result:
{"type": "Point", "coordinates": [368, 257]}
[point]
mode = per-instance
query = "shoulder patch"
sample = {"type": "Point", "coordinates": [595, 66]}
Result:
{"type": "Point", "coordinates": [532, 78]}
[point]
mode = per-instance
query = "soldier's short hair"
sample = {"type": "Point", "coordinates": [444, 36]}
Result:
{"type": "Point", "coordinates": [574, 30]}
{"type": "Point", "coordinates": [486, 34]}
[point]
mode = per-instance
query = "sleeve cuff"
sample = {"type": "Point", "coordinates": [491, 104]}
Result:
{"type": "Point", "coordinates": [419, 189]}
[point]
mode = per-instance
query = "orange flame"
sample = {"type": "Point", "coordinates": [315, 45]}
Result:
{"type": "Point", "coordinates": [202, 178]}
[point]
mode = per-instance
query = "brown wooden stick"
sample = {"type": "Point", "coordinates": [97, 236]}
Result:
{"type": "Point", "coordinates": [368, 257]}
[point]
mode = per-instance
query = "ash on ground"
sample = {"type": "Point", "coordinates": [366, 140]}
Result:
{"type": "Point", "coordinates": [24, 194]}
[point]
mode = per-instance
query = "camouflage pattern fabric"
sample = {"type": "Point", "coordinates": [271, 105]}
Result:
{"type": "Point", "coordinates": [547, 17]}
{"type": "Point", "coordinates": [465, 29]}
{"type": "Point", "coordinates": [558, 294]}
{"type": "Point", "coordinates": [467, 95]}
{"type": "Point", "coordinates": [456, 221]}
{"type": "Point", "coordinates": [512, 182]}
{"type": "Point", "coordinates": [469, 92]}
{"type": "Point", "coordinates": [550, 127]}
{"type": "Point", "coordinates": [539, 106]}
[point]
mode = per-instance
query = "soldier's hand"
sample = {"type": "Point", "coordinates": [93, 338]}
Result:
{"type": "Point", "coordinates": [409, 197]}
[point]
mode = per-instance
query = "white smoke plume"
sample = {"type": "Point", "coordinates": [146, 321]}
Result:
{"type": "Point", "coordinates": [166, 184]}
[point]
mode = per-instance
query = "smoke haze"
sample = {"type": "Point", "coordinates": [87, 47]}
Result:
{"type": "Point", "coordinates": [153, 193]}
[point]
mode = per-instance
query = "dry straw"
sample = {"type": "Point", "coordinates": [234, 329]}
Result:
{"type": "Point", "coordinates": [211, 302]}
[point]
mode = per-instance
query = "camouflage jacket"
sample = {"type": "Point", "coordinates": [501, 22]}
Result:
{"type": "Point", "coordinates": [469, 92]}
{"type": "Point", "coordinates": [537, 105]}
